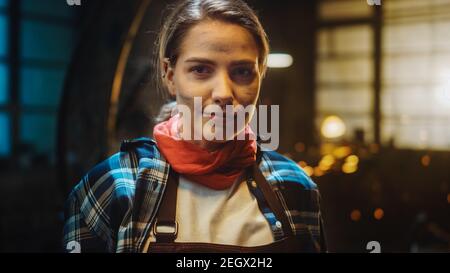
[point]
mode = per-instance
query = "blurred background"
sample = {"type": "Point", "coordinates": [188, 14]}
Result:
{"type": "Point", "coordinates": [363, 88]}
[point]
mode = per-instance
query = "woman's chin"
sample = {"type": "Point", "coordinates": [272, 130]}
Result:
{"type": "Point", "coordinates": [218, 138]}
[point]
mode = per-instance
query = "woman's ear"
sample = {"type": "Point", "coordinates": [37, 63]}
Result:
{"type": "Point", "coordinates": [167, 76]}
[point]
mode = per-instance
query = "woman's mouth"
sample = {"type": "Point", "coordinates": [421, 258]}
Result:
{"type": "Point", "coordinates": [218, 116]}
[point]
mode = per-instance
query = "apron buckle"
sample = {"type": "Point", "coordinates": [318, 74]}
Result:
{"type": "Point", "coordinates": [165, 229]}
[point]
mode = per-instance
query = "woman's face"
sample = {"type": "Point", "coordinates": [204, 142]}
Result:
{"type": "Point", "coordinates": [218, 62]}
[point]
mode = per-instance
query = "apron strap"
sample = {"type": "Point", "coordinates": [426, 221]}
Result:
{"type": "Point", "coordinates": [166, 226]}
{"type": "Point", "coordinates": [272, 200]}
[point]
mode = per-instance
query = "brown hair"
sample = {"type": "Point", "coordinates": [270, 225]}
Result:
{"type": "Point", "coordinates": [185, 14]}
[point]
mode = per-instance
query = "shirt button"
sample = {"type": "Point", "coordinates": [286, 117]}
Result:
{"type": "Point", "coordinates": [254, 185]}
{"type": "Point", "coordinates": [278, 224]}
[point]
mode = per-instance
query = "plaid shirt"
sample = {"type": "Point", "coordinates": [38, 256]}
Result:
{"type": "Point", "coordinates": [113, 207]}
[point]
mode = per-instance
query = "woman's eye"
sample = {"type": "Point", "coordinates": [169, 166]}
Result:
{"type": "Point", "coordinates": [243, 73]}
{"type": "Point", "coordinates": [200, 70]}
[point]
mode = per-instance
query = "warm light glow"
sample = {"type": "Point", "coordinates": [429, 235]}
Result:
{"type": "Point", "coordinates": [302, 164]}
{"type": "Point", "coordinates": [352, 159]}
{"type": "Point", "coordinates": [351, 164]}
{"type": "Point", "coordinates": [378, 214]}
{"type": "Point", "coordinates": [355, 215]}
{"type": "Point", "coordinates": [448, 198]}
{"type": "Point", "coordinates": [349, 167]}
{"type": "Point", "coordinates": [326, 162]}
{"type": "Point", "coordinates": [333, 127]}
{"type": "Point", "coordinates": [279, 60]}
{"type": "Point", "coordinates": [308, 170]}
{"type": "Point", "coordinates": [342, 152]}
{"type": "Point", "coordinates": [318, 172]}
{"type": "Point", "coordinates": [327, 148]}
{"type": "Point", "coordinates": [425, 160]}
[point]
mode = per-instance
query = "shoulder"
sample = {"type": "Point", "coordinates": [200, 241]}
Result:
{"type": "Point", "coordinates": [118, 170]}
{"type": "Point", "coordinates": [108, 188]}
{"type": "Point", "coordinates": [144, 147]}
{"type": "Point", "coordinates": [300, 196]}
{"type": "Point", "coordinates": [278, 168]}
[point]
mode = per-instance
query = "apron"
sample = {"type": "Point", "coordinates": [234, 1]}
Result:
{"type": "Point", "coordinates": [165, 241]}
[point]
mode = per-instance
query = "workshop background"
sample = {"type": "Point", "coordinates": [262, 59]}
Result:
{"type": "Point", "coordinates": [363, 90]}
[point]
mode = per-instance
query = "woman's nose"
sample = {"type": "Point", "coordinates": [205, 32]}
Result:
{"type": "Point", "coordinates": [222, 94]}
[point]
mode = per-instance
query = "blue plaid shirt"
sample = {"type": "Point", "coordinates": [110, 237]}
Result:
{"type": "Point", "coordinates": [113, 207]}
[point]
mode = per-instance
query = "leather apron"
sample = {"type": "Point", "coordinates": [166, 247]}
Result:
{"type": "Point", "coordinates": [165, 241]}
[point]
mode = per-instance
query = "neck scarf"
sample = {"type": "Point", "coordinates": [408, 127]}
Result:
{"type": "Point", "coordinates": [218, 169]}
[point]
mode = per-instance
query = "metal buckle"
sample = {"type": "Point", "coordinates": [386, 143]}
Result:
{"type": "Point", "coordinates": [173, 225]}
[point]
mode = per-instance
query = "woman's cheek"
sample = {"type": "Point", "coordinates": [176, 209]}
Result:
{"type": "Point", "coordinates": [190, 90]}
{"type": "Point", "coordinates": [248, 96]}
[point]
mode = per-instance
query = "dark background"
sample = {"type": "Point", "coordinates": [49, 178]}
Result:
{"type": "Point", "coordinates": [70, 91]}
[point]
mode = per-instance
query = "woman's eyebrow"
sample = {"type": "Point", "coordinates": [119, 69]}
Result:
{"type": "Point", "coordinates": [199, 60]}
{"type": "Point", "coordinates": [208, 61]}
{"type": "Point", "coordinates": [243, 62]}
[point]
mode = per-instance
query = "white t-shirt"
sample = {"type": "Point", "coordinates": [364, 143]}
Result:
{"type": "Point", "coordinates": [230, 216]}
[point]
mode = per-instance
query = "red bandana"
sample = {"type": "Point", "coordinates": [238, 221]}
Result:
{"type": "Point", "coordinates": [218, 169]}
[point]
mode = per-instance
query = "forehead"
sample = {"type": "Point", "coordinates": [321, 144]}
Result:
{"type": "Point", "coordinates": [220, 39]}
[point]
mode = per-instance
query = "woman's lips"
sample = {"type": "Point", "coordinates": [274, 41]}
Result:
{"type": "Point", "coordinates": [214, 116]}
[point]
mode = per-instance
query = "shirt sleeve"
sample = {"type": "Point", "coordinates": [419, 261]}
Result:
{"type": "Point", "coordinates": [77, 235]}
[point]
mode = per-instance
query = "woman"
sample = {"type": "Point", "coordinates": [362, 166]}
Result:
{"type": "Point", "coordinates": [213, 193]}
